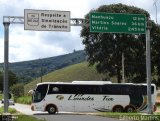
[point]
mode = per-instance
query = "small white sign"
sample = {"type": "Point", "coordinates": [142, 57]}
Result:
{"type": "Point", "coordinates": [46, 20]}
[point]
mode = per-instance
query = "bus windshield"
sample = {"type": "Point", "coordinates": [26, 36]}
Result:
{"type": "Point", "coordinates": [40, 93]}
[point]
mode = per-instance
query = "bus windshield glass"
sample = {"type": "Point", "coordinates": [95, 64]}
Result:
{"type": "Point", "coordinates": [40, 93]}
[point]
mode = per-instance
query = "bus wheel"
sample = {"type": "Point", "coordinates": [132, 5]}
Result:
{"type": "Point", "coordinates": [129, 108]}
{"type": "Point", "coordinates": [117, 108]}
{"type": "Point", "coordinates": [51, 109]}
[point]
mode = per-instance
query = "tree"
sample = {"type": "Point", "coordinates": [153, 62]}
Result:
{"type": "Point", "coordinates": [105, 49]}
{"type": "Point", "coordinates": [11, 77]}
{"type": "Point", "coordinates": [1, 81]}
{"type": "Point", "coordinates": [155, 39]}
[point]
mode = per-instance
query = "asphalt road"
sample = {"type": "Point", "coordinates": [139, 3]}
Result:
{"type": "Point", "coordinates": [73, 117]}
{"type": "Point", "coordinates": [61, 116]}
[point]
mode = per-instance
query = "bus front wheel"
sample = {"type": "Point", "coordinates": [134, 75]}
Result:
{"type": "Point", "coordinates": [51, 109]}
{"type": "Point", "coordinates": [117, 108]}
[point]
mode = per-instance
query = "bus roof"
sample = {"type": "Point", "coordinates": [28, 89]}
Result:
{"type": "Point", "coordinates": [93, 83]}
{"type": "Point", "coordinates": [79, 82]}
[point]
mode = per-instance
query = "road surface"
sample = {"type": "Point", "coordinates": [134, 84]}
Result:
{"type": "Point", "coordinates": [61, 116]}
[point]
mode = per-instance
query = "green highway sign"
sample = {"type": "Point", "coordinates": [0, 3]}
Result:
{"type": "Point", "coordinates": [117, 23]}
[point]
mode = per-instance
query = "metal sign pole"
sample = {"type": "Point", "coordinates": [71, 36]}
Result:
{"type": "Point", "coordinates": [148, 68]}
{"type": "Point", "coordinates": [123, 78]}
{"type": "Point", "coordinates": [6, 43]}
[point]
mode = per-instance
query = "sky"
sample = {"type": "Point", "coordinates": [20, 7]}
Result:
{"type": "Point", "coordinates": [29, 45]}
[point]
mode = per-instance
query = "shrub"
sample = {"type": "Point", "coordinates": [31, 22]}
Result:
{"type": "Point", "coordinates": [24, 100]}
{"type": "Point", "coordinates": [17, 90]}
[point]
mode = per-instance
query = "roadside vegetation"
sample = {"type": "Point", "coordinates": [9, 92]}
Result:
{"type": "Point", "coordinates": [27, 118]}
{"type": "Point", "coordinates": [24, 100]}
{"type": "Point", "coordinates": [10, 110]}
{"type": "Point", "coordinates": [1, 96]}
{"type": "Point", "coordinates": [18, 116]}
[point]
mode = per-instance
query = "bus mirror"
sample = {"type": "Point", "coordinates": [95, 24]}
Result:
{"type": "Point", "coordinates": [30, 92]}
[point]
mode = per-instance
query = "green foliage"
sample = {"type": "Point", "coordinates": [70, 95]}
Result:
{"type": "Point", "coordinates": [1, 96]}
{"type": "Point", "coordinates": [79, 71]}
{"type": "Point", "coordinates": [10, 110]}
{"type": "Point", "coordinates": [28, 118]}
{"type": "Point", "coordinates": [17, 90]}
{"type": "Point", "coordinates": [105, 49]}
{"type": "Point", "coordinates": [11, 77]}
{"type": "Point", "coordinates": [24, 99]}
{"type": "Point", "coordinates": [1, 81]}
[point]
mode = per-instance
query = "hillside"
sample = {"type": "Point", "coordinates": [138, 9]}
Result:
{"type": "Point", "coordinates": [79, 71]}
{"type": "Point", "coordinates": [29, 70]}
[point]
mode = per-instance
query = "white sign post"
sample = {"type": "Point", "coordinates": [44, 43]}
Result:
{"type": "Point", "coordinates": [46, 20]}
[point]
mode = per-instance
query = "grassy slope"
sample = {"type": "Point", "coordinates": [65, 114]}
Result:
{"type": "Point", "coordinates": [79, 71]}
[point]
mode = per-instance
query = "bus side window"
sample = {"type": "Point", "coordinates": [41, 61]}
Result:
{"type": "Point", "coordinates": [79, 89]}
{"type": "Point", "coordinates": [66, 89]}
{"type": "Point", "coordinates": [100, 89]}
{"type": "Point", "coordinates": [55, 89]}
{"type": "Point", "coordinates": [95, 90]}
{"type": "Point", "coordinates": [127, 90]}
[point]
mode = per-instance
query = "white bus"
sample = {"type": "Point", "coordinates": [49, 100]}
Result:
{"type": "Point", "coordinates": [90, 96]}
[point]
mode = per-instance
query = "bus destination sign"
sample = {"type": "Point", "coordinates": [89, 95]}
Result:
{"type": "Point", "coordinates": [117, 23]}
{"type": "Point", "coordinates": [46, 20]}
